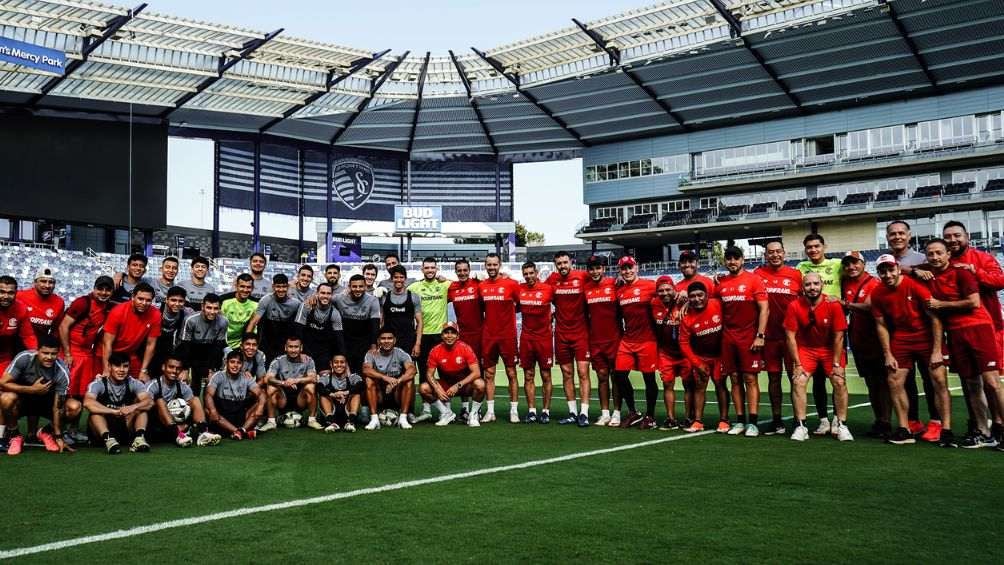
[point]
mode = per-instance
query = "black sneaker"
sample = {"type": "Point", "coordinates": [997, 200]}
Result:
{"type": "Point", "coordinates": [669, 424]}
{"type": "Point", "coordinates": [776, 427]}
{"type": "Point", "coordinates": [463, 417]}
{"type": "Point", "coordinates": [947, 439]}
{"type": "Point", "coordinates": [901, 436]}
{"type": "Point", "coordinates": [977, 441]}
{"type": "Point", "coordinates": [583, 421]}
{"type": "Point", "coordinates": [531, 418]}
{"type": "Point", "coordinates": [3, 444]}
{"type": "Point", "coordinates": [878, 430]}
{"type": "Point", "coordinates": [997, 432]}
{"type": "Point", "coordinates": [570, 419]}
{"type": "Point", "coordinates": [544, 418]}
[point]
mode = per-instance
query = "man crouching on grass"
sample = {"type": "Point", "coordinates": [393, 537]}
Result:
{"type": "Point", "coordinates": [339, 393]}
{"type": "Point", "coordinates": [234, 400]}
{"type": "Point", "coordinates": [165, 426]}
{"type": "Point", "coordinates": [118, 406]}
{"type": "Point", "coordinates": [459, 374]}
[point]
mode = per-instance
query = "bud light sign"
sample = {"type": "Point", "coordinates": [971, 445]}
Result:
{"type": "Point", "coordinates": [418, 219]}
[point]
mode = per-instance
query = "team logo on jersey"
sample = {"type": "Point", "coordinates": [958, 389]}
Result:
{"type": "Point", "coordinates": [607, 290]}
{"type": "Point", "coordinates": [540, 294]}
{"type": "Point", "coordinates": [637, 291]}
{"type": "Point", "coordinates": [459, 360]}
{"type": "Point", "coordinates": [786, 282]}
{"type": "Point", "coordinates": [742, 288]}
{"type": "Point", "coordinates": [575, 282]}
{"type": "Point", "coordinates": [353, 181]}
{"type": "Point", "coordinates": [501, 290]}
{"type": "Point", "coordinates": [470, 290]}
{"type": "Point", "coordinates": [49, 313]}
{"type": "Point", "coordinates": [12, 322]}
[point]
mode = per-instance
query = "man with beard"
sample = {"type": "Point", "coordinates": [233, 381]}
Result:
{"type": "Point", "coordinates": [275, 317]}
{"type": "Point", "coordinates": [132, 329]}
{"type": "Point", "coordinates": [499, 295]}
{"type": "Point", "coordinates": [44, 306]}
{"type": "Point", "coordinates": [360, 314]}
{"type": "Point", "coordinates": [604, 335]}
{"type": "Point", "coordinates": [571, 339]}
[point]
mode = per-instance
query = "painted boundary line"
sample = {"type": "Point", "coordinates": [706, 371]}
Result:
{"type": "Point", "coordinates": [236, 513]}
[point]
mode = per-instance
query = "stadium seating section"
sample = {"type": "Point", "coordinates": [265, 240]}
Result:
{"type": "Point", "coordinates": [639, 221]}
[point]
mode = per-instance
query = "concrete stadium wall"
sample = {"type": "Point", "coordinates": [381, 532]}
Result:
{"type": "Point", "coordinates": [840, 235]}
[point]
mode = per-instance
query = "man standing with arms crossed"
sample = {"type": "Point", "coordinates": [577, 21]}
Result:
{"type": "Point", "coordinates": [500, 295]}
{"type": "Point", "coordinates": [744, 314]}
{"type": "Point", "coordinates": [571, 335]}
{"type": "Point", "coordinates": [783, 285]}
{"type": "Point", "coordinates": [815, 330]}
{"type": "Point", "coordinates": [829, 272]}
{"type": "Point", "coordinates": [536, 347]}
{"type": "Point", "coordinates": [604, 335]}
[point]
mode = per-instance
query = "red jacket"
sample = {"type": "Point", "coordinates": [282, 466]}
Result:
{"type": "Point", "coordinates": [991, 279]}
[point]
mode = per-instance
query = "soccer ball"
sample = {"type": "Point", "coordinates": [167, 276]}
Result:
{"type": "Point", "coordinates": [179, 410]}
{"type": "Point", "coordinates": [292, 420]}
{"type": "Point", "coordinates": [388, 418]}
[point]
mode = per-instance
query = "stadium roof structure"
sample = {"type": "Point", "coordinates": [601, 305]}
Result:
{"type": "Point", "coordinates": [681, 65]}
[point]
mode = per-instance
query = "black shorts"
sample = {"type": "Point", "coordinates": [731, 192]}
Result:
{"type": "Point", "coordinates": [117, 428]}
{"type": "Point", "coordinates": [36, 405]}
{"type": "Point", "coordinates": [291, 396]}
{"type": "Point", "coordinates": [235, 411]}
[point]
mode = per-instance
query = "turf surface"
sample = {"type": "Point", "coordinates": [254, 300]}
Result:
{"type": "Point", "coordinates": [709, 498]}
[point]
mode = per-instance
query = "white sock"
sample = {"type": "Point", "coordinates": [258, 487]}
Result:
{"type": "Point", "coordinates": [533, 410]}
{"type": "Point", "coordinates": [513, 407]}
{"type": "Point", "coordinates": [312, 419]}
{"type": "Point", "coordinates": [3, 429]}
{"type": "Point", "coordinates": [427, 408]}
{"type": "Point", "coordinates": [491, 406]}
{"type": "Point", "coordinates": [546, 411]}
{"type": "Point", "coordinates": [271, 420]}
{"type": "Point", "coordinates": [604, 413]}
{"type": "Point", "coordinates": [442, 408]}
{"type": "Point", "coordinates": [584, 408]}
{"type": "Point", "coordinates": [571, 407]}
{"type": "Point", "coordinates": [475, 407]}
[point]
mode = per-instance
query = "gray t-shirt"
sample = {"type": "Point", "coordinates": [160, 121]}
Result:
{"type": "Point", "coordinates": [285, 368]}
{"type": "Point", "coordinates": [26, 371]}
{"type": "Point", "coordinates": [200, 330]}
{"type": "Point", "coordinates": [196, 292]}
{"type": "Point", "coordinates": [160, 388]}
{"type": "Point", "coordinates": [234, 390]}
{"type": "Point", "coordinates": [318, 318]}
{"type": "Point", "coordinates": [116, 392]}
{"type": "Point", "coordinates": [256, 366]}
{"type": "Point", "coordinates": [911, 258]}
{"type": "Point", "coordinates": [328, 380]}
{"type": "Point", "coordinates": [391, 365]}
{"type": "Point", "coordinates": [366, 308]}
{"type": "Point", "coordinates": [172, 324]}
{"type": "Point", "coordinates": [261, 287]}
{"type": "Point", "coordinates": [269, 308]}
{"type": "Point", "coordinates": [301, 295]}
{"type": "Point", "coordinates": [389, 284]}
{"type": "Point", "coordinates": [161, 291]}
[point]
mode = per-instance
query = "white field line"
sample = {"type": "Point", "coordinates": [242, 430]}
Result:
{"type": "Point", "coordinates": [238, 512]}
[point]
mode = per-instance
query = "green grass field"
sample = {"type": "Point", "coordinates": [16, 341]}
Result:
{"type": "Point", "coordinates": [703, 498]}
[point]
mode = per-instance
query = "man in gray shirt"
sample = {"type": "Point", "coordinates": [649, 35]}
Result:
{"type": "Point", "coordinates": [233, 400]}
{"type": "Point", "coordinates": [389, 371]}
{"type": "Point", "coordinates": [320, 325]}
{"type": "Point", "coordinates": [35, 385]}
{"type": "Point", "coordinates": [134, 274]}
{"type": "Point", "coordinates": [197, 287]}
{"type": "Point", "coordinates": [118, 406]}
{"type": "Point", "coordinates": [333, 275]}
{"type": "Point", "coordinates": [261, 285]}
{"type": "Point", "coordinates": [360, 320]}
{"type": "Point", "coordinates": [163, 426]}
{"type": "Point", "coordinates": [301, 289]}
{"type": "Point", "coordinates": [275, 317]}
{"type": "Point", "coordinates": [292, 382]}
{"type": "Point", "coordinates": [897, 235]}
{"type": "Point", "coordinates": [203, 338]}
{"type": "Point", "coordinates": [339, 392]}
{"type": "Point", "coordinates": [168, 272]}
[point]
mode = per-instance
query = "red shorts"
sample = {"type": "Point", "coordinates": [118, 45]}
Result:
{"type": "Point", "coordinates": [474, 340]}
{"type": "Point", "coordinates": [569, 348]}
{"type": "Point", "coordinates": [908, 352]}
{"type": "Point", "coordinates": [814, 360]}
{"type": "Point", "coordinates": [494, 348]}
{"type": "Point", "coordinates": [535, 351]}
{"type": "Point", "coordinates": [603, 355]}
{"type": "Point", "coordinates": [1000, 344]}
{"type": "Point", "coordinates": [671, 367]}
{"type": "Point", "coordinates": [83, 370]}
{"type": "Point", "coordinates": [974, 350]}
{"type": "Point", "coordinates": [738, 358]}
{"type": "Point", "coordinates": [716, 368]}
{"type": "Point", "coordinates": [642, 357]}
{"type": "Point", "coordinates": [775, 356]}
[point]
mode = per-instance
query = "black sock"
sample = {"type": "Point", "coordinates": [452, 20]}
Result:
{"type": "Point", "coordinates": [651, 394]}
{"type": "Point", "coordinates": [801, 423]}
{"type": "Point", "coordinates": [753, 419]}
{"type": "Point", "coordinates": [105, 436]}
{"type": "Point", "coordinates": [140, 432]}
{"type": "Point", "coordinates": [198, 428]}
{"type": "Point", "coordinates": [353, 417]}
{"type": "Point", "coordinates": [625, 388]}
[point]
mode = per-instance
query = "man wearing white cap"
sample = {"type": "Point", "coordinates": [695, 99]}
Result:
{"type": "Point", "coordinates": [44, 306]}
{"type": "Point", "coordinates": [857, 287]}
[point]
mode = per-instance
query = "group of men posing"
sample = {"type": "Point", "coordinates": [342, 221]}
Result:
{"type": "Point", "coordinates": [137, 352]}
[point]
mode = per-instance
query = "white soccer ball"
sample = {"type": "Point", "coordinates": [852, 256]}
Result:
{"type": "Point", "coordinates": [388, 418]}
{"type": "Point", "coordinates": [179, 410]}
{"type": "Point", "coordinates": [292, 420]}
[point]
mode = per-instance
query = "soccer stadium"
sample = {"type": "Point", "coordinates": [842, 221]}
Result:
{"type": "Point", "coordinates": [778, 336]}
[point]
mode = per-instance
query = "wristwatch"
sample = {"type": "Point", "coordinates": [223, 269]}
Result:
{"type": "Point", "coordinates": [759, 335]}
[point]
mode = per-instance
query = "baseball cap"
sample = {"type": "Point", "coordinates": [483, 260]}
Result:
{"type": "Point", "coordinates": [687, 255]}
{"type": "Point", "coordinates": [626, 261]}
{"type": "Point", "coordinates": [853, 255]}
{"type": "Point", "coordinates": [883, 259]}
{"type": "Point", "coordinates": [451, 326]}
{"type": "Point", "coordinates": [45, 273]}
{"type": "Point", "coordinates": [664, 279]}
{"type": "Point", "coordinates": [104, 281]}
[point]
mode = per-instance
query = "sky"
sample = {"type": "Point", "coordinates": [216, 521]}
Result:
{"type": "Point", "coordinates": [548, 196]}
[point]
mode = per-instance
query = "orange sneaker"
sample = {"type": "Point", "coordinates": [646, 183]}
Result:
{"type": "Point", "coordinates": [933, 432]}
{"type": "Point", "coordinates": [694, 427]}
{"type": "Point", "coordinates": [16, 445]}
{"type": "Point", "coordinates": [916, 427]}
{"type": "Point", "coordinates": [47, 440]}
{"type": "Point", "coordinates": [723, 427]}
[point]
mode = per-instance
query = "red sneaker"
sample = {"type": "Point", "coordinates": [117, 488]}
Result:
{"type": "Point", "coordinates": [933, 432]}
{"type": "Point", "coordinates": [47, 440]}
{"type": "Point", "coordinates": [723, 427]}
{"type": "Point", "coordinates": [916, 427]}
{"type": "Point", "coordinates": [632, 419]}
{"type": "Point", "coordinates": [237, 435]}
{"type": "Point", "coordinates": [647, 423]}
{"type": "Point", "coordinates": [251, 434]}
{"type": "Point", "coordinates": [16, 445]}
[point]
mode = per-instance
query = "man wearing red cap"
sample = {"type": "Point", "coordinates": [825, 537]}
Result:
{"type": "Point", "coordinates": [44, 306]}
{"type": "Point", "coordinates": [701, 344]}
{"type": "Point", "coordinates": [857, 286]}
{"type": "Point", "coordinates": [744, 315]}
{"type": "Point", "coordinates": [637, 350]}
{"type": "Point", "coordinates": [604, 335]}
{"type": "Point", "coordinates": [571, 339]}
{"type": "Point", "coordinates": [783, 285]}
{"type": "Point", "coordinates": [536, 341]}
{"type": "Point", "coordinates": [459, 374]}
{"type": "Point", "coordinates": [672, 363]}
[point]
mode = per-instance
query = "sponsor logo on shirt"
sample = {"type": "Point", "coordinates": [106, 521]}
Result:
{"type": "Point", "coordinates": [627, 301]}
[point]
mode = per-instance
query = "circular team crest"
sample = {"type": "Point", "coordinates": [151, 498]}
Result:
{"type": "Point", "coordinates": [459, 360]}
{"type": "Point", "coordinates": [353, 181]}
{"type": "Point", "coordinates": [49, 313]}
{"type": "Point", "coordinates": [540, 294]}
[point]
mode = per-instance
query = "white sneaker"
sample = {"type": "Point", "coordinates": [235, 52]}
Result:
{"type": "Point", "coordinates": [835, 426]}
{"type": "Point", "coordinates": [446, 419]}
{"type": "Point", "coordinates": [737, 429]}
{"type": "Point", "coordinates": [267, 426]}
{"type": "Point", "coordinates": [313, 424]}
{"type": "Point", "coordinates": [844, 434]}
{"type": "Point", "coordinates": [488, 417]}
{"type": "Point", "coordinates": [209, 438]}
{"type": "Point", "coordinates": [424, 416]}
{"type": "Point", "coordinates": [801, 433]}
{"type": "Point", "coordinates": [349, 427]}
{"type": "Point", "coordinates": [615, 419]}
{"type": "Point", "coordinates": [514, 417]}
{"type": "Point", "coordinates": [823, 429]}
{"type": "Point", "coordinates": [403, 423]}
{"type": "Point", "coordinates": [751, 430]}
{"type": "Point", "coordinates": [603, 420]}
{"type": "Point", "coordinates": [373, 425]}
{"type": "Point", "coordinates": [473, 421]}
{"type": "Point", "coordinates": [331, 428]}
{"type": "Point", "coordinates": [184, 440]}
